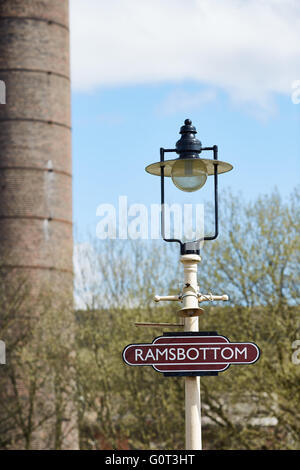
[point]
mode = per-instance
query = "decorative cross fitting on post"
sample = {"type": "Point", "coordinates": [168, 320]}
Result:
{"type": "Point", "coordinates": [191, 311]}
{"type": "Point", "coordinates": [190, 296]}
{"type": "Point", "coordinates": [201, 297]}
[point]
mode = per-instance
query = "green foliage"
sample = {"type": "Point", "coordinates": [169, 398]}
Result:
{"type": "Point", "coordinates": [256, 262]}
{"type": "Point", "coordinates": [37, 383]}
{"type": "Point", "coordinates": [132, 404]}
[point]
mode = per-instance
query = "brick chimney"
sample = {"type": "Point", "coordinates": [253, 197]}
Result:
{"type": "Point", "coordinates": [35, 144]}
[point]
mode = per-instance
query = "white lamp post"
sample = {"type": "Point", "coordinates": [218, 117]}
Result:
{"type": "Point", "coordinates": [189, 173]}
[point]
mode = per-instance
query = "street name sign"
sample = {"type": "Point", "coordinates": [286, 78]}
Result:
{"type": "Point", "coordinates": [190, 354]}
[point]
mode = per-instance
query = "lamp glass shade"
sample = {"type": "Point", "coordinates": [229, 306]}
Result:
{"type": "Point", "coordinates": [189, 174]}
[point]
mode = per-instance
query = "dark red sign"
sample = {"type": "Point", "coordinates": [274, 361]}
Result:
{"type": "Point", "coordinates": [197, 353]}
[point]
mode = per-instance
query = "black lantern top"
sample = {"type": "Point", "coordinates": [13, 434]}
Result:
{"type": "Point", "coordinates": [188, 146]}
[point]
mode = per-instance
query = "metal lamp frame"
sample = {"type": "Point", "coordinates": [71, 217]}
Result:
{"type": "Point", "coordinates": [184, 247]}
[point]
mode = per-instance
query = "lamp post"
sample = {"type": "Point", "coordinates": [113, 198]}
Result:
{"type": "Point", "coordinates": [189, 173]}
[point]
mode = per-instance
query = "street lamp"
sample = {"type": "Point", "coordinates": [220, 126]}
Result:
{"type": "Point", "coordinates": [189, 173]}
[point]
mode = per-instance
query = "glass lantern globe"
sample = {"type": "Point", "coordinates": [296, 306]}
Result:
{"type": "Point", "coordinates": [189, 174]}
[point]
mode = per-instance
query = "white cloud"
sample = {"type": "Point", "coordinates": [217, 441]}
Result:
{"type": "Point", "coordinates": [183, 100]}
{"type": "Point", "coordinates": [248, 48]}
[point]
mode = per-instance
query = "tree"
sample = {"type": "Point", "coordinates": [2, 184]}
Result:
{"type": "Point", "coordinates": [255, 261]}
{"type": "Point", "coordinates": [111, 397]}
{"type": "Point", "coordinates": [37, 382]}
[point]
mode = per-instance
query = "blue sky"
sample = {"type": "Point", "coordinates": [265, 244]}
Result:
{"type": "Point", "coordinates": [130, 96]}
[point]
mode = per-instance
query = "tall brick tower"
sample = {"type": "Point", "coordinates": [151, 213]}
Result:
{"type": "Point", "coordinates": [35, 142]}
